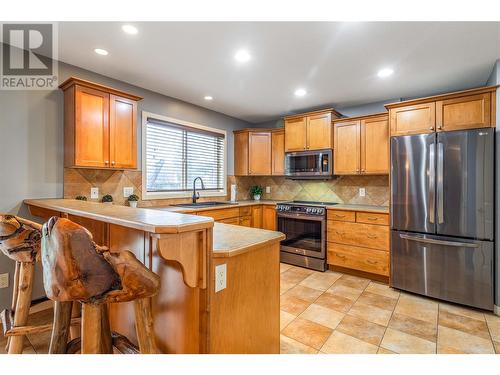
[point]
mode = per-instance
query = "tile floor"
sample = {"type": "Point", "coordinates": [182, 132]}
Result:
{"type": "Point", "coordinates": [336, 313]}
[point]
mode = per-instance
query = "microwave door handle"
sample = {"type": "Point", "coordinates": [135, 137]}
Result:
{"type": "Point", "coordinates": [432, 182]}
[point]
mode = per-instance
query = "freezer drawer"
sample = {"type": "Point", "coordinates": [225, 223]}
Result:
{"type": "Point", "coordinates": [451, 269]}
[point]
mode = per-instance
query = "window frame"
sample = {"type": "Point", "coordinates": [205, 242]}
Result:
{"type": "Point", "coordinates": [179, 194]}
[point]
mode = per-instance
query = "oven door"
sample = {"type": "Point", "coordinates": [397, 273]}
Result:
{"type": "Point", "coordinates": [309, 164]}
{"type": "Point", "coordinates": [305, 235]}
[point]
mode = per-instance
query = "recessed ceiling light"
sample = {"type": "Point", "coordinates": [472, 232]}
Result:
{"type": "Point", "coordinates": [129, 29]}
{"type": "Point", "coordinates": [386, 72]}
{"type": "Point", "coordinates": [208, 97]}
{"type": "Point", "coordinates": [242, 56]}
{"type": "Point", "coordinates": [101, 51]}
{"type": "Point", "coordinates": [300, 92]}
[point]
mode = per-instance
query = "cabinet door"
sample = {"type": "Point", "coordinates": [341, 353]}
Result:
{"type": "Point", "coordinates": [241, 154]}
{"type": "Point", "coordinates": [245, 221]}
{"type": "Point", "coordinates": [259, 154]}
{"type": "Point", "coordinates": [268, 217]}
{"type": "Point", "coordinates": [319, 132]}
{"type": "Point", "coordinates": [467, 112]}
{"type": "Point", "coordinates": [414, 119]}
{"type": "Point", "coordinates": [375, 146]}
{"type": "Point", "coordinates": [122, 132]}
{"type": "Point", "coordinates": [278, 153]}
{"type": "Point", "coordinates": [91, 128]}
{"type": "Point", "coordinates": [346, 152]}
{"type": "Point", "coordinates": [296, 134]}
{"type": "Point", "coordinates": [257, 216]}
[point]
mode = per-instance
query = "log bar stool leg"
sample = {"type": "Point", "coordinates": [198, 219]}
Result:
{"type": "Point", "coordinates": [91, 328]}
{"type": "Point", "coordinates": [76, 312]}
{"type": "Point", "coordinates": [23, 303]}
{"type": "Point", "coordinates": [144, 326]}
{"type": "Point", "coordinates": [106, 340]}
{"type": "Point", "coordinates": [60, 327]}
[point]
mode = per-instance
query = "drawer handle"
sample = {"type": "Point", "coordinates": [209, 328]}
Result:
{"type": "Point", "coordinates": [371, 235]}
{"type": "Point", "coordinates": [372, 218]}
{"type": "Point", "coordinates": [339, 216]}
{"type": "Point", "coordinates": [339, 233]}
{"type": "Point", "coordinates": [371, 262]}
{"type": "Point", "coordinates": [340, 256]}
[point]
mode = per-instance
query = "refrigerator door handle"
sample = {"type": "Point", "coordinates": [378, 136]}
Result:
{"type": "Point", "coordinates": [440, 182]}
{"type": "Point", "coordinates": [432, 182]}
{"type": "Point", "coordinates": [437, 242]}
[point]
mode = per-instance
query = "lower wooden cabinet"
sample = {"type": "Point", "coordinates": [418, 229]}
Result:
{"type": "Point", "coordinates": [255, 216]}
{"type": "Point", "coordinates": [358, 240]}
{"type": "Point", "coordinates": [269, 217]}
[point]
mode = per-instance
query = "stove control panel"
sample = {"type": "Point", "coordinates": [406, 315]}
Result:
{"type": "Point", "coordinates": [300, 209]}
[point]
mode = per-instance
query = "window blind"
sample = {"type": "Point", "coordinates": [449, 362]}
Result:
{"type": "Point", "coordinates": [177, 154]}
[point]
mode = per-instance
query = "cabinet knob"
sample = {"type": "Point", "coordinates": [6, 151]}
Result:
{"type": "Point", "coordinates": [440, 127]}
{"type": "Point", "coordinates": [113, 163]}
{"type": "Point", "coordinates": [431, 128]}
{"type": "Point", "coordinates": [106, 162]}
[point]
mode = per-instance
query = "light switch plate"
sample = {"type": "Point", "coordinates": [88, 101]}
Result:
{"type": "Point", "coordinates": [220, 277]}
{"type": "Point", "coordinates": [362, 192]}
{"type": "Point", "coordinates": [128, 191]}
{"type": "Point", "coordinates": [268, 189]}
{"type": "Point", "coordinates": [4, 280]}
{"type": "Point", "coordinates": [94, 193]}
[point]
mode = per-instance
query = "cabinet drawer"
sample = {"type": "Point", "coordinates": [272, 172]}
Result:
{"type": "Point", "coordinates": [245, 221]}
{"type": "Point", "coordinates": [245, 211]}
{"type": "Point", "coordinates": [225, 213]}
{"type": "Point", "coordinates": [359, 258]}
{"type": "Point", "coordinates": [372, 218]}
{"type": "Point", "coordinates": [341, 215]}
{"type": "Point", "coordinates": [233, 220]}
{"type": "Point", "coordinates": [366, 235]}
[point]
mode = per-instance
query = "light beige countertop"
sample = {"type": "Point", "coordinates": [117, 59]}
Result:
{"type": "Point", "coordinates": [360, 207]}
{"type": "Point", "coordinates": [231, 240]}
{"type": "Point", "coordinates": [218, 207]}
{"type": "Point", "coordinates": [145, 219]}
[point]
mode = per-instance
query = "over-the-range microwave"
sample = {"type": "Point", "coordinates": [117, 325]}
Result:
{"type": "Point", "coordinates": [309, 164]}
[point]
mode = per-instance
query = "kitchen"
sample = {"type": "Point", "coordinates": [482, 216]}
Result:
{"type": "Point", "coordinates": [319, 228]}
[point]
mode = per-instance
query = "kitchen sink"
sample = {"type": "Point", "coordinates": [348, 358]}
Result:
{"type": "Point", "coordinates": [201, 204]}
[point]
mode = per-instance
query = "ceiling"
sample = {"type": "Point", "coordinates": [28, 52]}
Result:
{"type": "Point", "coordinates": [337, 63]}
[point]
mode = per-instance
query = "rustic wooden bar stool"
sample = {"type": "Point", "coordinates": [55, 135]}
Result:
{"type": "Point", "coordinates": [75, 268]}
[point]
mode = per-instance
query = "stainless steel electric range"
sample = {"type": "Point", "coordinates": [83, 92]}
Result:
{"type": "Point", "coordinates": [304, 224]}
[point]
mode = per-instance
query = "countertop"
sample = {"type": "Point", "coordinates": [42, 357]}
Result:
{"type": "Point", "coordinates": [360, 207]}
{"type": "Point", "coordinates": [218, 207]}
{"type": "Point", "coordinates": [231, 240]}
{"type": "Point", "coordinates": [145, 219]}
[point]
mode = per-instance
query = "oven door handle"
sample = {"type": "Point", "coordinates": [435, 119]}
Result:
{"type": "Point", "coordinates": [300, 216]}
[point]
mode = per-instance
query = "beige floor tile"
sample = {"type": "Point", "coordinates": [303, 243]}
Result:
{"type": "Point", "coordinates": [361, 329]}
{"type": "Point", "coordinates": [293, 275]}
{"type": "Point", "coordinates": [377, 300]}
{"type": "Point", "coordinates": [307, 332]}
{"type": "Point", "coordinates": [494, 326]}
{"type": "Point", "coordinates": [285, 319]}
{"type": "Point", "coordinates": [452, 339]}
{"type": "Point", "coordinates": [464, 324]}
{"type": "Point", "coordinates": [293, 305]}
{"type": "Point", "coordinates": [497, 347]}
{"type": "Point", "coordinates": [371, 313]}
{"type": "Point", "coordinates": [385, 351]}
{"type": "Point", "coordinates": [285, 286]}
{"type": "Point", "coordinates": [352, 282]}
{"type": "Point", "coordinates": [344, 291]}
{"type": "Point", "coordinates": [460, 310]}
{"type": "Point", "coordinates": [321, 280]}
{"type": "Point", "coordinates": [403, 343]}
{"type": "Point", "coordinates": [305, 293]}
{"type": "Point", "coordinates": [284, 267]}
{"type": "Point", "coordinates": [415, 327]}
{"type": "Point", "coordinates": [337, 303]}
{"type": "Point", "coordinates": [302, 270]}
{"type": "Point", "coordinates": [340, 343]}
{"type": "Point", "coordinates": [290, 346]}
{"type": "Point", "coordinates": [322, 315]}
{"type": "Point", "coordinates": [417, 307]}
{"type": "Point", "coordinates": [382, 289]}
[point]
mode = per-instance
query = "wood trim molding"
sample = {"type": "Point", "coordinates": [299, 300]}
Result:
{"type": "Point", "coordinates": [370, 116]}
{"type": "Point", "coordinates": [81, 82]}
{"type": "Point", "coordinates": [318, 112]}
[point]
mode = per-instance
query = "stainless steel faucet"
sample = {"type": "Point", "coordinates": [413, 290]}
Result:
{"type": "Point", "coordinates": [196, 195]}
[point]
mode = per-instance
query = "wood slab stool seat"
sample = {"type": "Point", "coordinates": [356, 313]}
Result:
{"type": "Point", "coordinates": [75, 268]}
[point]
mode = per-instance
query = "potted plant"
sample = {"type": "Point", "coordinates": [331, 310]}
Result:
{"type": "Point", "coordinates": [256, 192]}
{"type": "Point", "coordinates": [132, 200]}
{"type": "Point", "coordinates": [108, 199]}
{"type": "Point", "coordinates": [81, 198]}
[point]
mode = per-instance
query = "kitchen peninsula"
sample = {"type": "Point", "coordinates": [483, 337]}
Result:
{"type": "Point", "coordinates": [189, 315]}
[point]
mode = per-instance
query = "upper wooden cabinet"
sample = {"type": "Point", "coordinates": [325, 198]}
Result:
{"type": "Point", "coordinates": [310, 131]}
{"type": "Point", "coordinates": [100, 128]}
{"type": "Point", "coordinates": [259, 152]}
{"type": "Point", "coordinates": [361, 145]}
{"type": "Point", "coordinates": [468, 109]}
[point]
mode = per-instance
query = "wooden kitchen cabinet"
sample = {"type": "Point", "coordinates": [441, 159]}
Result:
{"type": "Point", "coordinates": [269, 217]}
{"type": "Point", "coordinates": [257, 216]}
{"type": "Point", "coordinates": [310, 131]}
{"type": "Point", "coordinates": [259, 154]}
{"type": "Point", "coordinates": [278, 152]}
{"type": "Point", "coordinates": [100, 128]}
{"type": "Point", "coordinates": [361, 145]}
{"type": "Point", "coordinates": [469, 109]}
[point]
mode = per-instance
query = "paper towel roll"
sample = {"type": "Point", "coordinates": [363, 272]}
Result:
{"type": "Point", "coordinates": [233, 193]}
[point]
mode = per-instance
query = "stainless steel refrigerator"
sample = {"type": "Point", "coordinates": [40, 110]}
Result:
{"type": "Point", "coordinates": [442, 215]}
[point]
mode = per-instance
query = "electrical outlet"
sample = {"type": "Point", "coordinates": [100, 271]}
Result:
{"type": "Point", "coordinates": [268, 189]}
{"type": "Point", "coordinates": [127, 192]}
{"type": "Point", "coordinates": [220, 277]}
{"type": "Point", "coordinates": [362, 192]}
{"type": "Point", "coordinates": [94, 193]}
{"type": "Point", "coordinates": [4, 280]}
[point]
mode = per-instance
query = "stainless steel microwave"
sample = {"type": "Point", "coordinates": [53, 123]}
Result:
{"type": "Point", "coordinates": [309, 164]}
